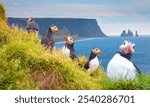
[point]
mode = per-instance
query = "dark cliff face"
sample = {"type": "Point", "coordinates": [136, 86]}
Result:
{"type": "Point", "coordinates": [81, 27]}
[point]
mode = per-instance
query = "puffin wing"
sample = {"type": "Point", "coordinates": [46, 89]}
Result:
{"type": "Point", "coordinates": [32, 25]}
{"type": "Point", "coordinates": [44, 40]}
{"type": "Point", "coordinates": [73, 55]}
{"type": "Point", "coordinates": [35, 26]}
{"type": "Point", "coordinates": [137, 69]}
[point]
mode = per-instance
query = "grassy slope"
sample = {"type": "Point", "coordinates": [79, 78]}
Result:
{"type": "Point", "coordinates": [2, 12]}
{"type": "Point", "coordinates": [25, 64]}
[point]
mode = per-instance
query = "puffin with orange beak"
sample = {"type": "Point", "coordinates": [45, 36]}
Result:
{"type": "Point", "coordinates": [120, 66]}
{"type": "Point", "coordinates": [68, 50]}
{"type": "Point", "coordinates": [48, 39]}
{"type": "Point", "coordinates": [93, 63]}
{"type": "Point", "coordinates": [32, 26]}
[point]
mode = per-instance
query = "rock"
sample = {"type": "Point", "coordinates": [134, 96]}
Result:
{"type": "Point", "coordinates": [123, 33]}
{"type": "Point", "coordinates": [136, 34]}
{"type": "Point", "coordinates": [128, 34]}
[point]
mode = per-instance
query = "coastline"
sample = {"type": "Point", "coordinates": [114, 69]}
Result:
{"type": "Point", "coordinates": [77, 40]}
{"type": "Point", "coordinates": [60, 41]}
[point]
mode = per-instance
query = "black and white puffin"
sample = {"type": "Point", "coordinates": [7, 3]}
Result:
{"type": "Point", "coordinates": [32, 26]}
{"type": "Point", "coordinates": [48, 39]}
{"type": "Point", "coordinates": [93, 62]}
{"type": "Point", "coordinates": [68, 50]}
{"type": "Point", "coordinates": [120, 66]}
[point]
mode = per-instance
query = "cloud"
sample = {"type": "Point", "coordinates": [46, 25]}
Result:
{"type": "Point", "coordinates": [116, 29]}
{"type": "Point", "coordinates": [113, 14]}
{"type": "Point", "coordinates": [65, 10]}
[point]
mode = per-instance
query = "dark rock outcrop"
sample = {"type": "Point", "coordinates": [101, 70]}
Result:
{"type": "Point", "coordinates": [136, 34]}
{"type": "Point", "coordinates": [128, 34]}
{"type": "Point", "coordinates": [123, 33]}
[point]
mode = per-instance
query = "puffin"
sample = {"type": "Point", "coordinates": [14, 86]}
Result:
{"type": "Point", "coordinates": [32, 26]}
{"type": "Point", "coordinates": [68, 50]}
{"type": "Point", "coordinates": [93, 63]}
{"type": "Point", "coordinates": [120, 66]}
{"type": "Point", "coordinates": [48, 39]}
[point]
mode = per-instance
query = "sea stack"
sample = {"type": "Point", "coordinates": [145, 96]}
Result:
{"type": "Point", "coordinates": [136, 34]}
{"type": "Point", "coordinates": [128, 34]}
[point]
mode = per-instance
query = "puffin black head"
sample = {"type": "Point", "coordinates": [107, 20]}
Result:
{"type": "Point", "coordinates": [30, 19]}
{"type": "Point", "coordinates": [96, 51]}
{"type": "Point", "coordinates": [69, 40]}
{"type": "Point", "coordinates": [127, 47]}
{"type": "Point", "coordinates": [55, 29]}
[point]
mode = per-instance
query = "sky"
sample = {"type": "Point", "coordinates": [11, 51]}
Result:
{"type": "Point", "coordinates": [113, 16]}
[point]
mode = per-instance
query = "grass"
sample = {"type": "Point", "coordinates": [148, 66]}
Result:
{"type": "Point", "coordinates": [2, 12]}
{"type": "Point", "coordinates": [25, 64]}
{"type": "Point", "coordinates": [140, 83]}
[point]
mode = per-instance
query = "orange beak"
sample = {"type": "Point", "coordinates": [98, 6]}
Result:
{"type": "Point", "coordinates": [66, 38]}
{"type": "Point", "coordinates": [127, 50]}
{"type": "Point", "coordinates": [58, 32]}
{"type": "Point", "coordinates": [100, 54]}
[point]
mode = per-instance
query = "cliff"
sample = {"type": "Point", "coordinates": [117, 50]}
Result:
{"type": "Point", "coordinates": [82, 27]}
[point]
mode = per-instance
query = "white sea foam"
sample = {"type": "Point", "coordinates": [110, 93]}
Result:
{"type": "Point", "coordinates": [80, 40]}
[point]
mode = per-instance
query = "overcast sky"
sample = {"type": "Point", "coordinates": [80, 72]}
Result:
{"type": "Point", "coordinates": [113, 16]}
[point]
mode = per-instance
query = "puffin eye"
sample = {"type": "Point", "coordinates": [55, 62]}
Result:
{"type": "Point", "coordinates": [124, 43]}
{"type": "Point", "coordinates": [133, 47]}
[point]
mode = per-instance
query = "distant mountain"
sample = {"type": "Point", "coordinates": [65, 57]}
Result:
{"type": "Point", "coordinates": [76, 26]}
{"type": "Point", "coordinates": [129, 33]}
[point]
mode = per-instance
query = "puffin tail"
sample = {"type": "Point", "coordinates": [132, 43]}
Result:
{"type": "Point", "coordinates": [80, 65]}
{"type": "Point", "coordinates": [138, 70]}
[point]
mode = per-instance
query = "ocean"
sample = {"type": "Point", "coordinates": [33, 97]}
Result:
{"type": "Point", "coordinates": [109, 46]}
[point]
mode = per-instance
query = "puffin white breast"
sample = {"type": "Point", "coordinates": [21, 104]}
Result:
{"type": "Point", "coordinates": [121, 68]}
{"type": "Point", "coordinates": [66, 51]}
{"type": "Point", "coordinates": [93, 65]}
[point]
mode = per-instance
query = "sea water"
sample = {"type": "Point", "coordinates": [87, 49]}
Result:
{"type": "Point", "coordinates": [109, 46]}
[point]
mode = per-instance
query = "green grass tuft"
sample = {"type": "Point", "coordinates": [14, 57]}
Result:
{"type": "Point", "coordinates": [140, 83]}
